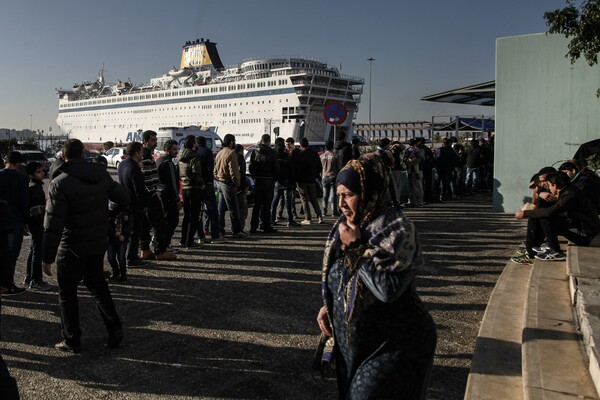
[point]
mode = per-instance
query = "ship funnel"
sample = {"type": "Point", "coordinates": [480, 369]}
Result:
{"type": "Point", "coordinates": [196, 54]}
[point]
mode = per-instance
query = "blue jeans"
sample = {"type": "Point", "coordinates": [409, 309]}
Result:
{"type": "Point", "coordinates": [14, 240]}
{"type": "Point", "coordinates": [228, 201]}
{"type": "Point", "coordinates": [116, 255]}
{"type": "Point", "coordinates": [288, 196]}
{"type": "Point", "coordinates": [329, 191]}
{"type": "Point", "coordinates": [472, 179]}
{"type": "Point", "coordinates": [34, 260]}
{"type": "Point", "coordinates": [211, 216]}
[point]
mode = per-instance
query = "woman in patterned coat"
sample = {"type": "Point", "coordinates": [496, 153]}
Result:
{"type": "Point", "coordinates": [382, 337]}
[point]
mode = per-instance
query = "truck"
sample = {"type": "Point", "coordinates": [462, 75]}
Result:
{"type": "Point", "coordinates": [213, 141]}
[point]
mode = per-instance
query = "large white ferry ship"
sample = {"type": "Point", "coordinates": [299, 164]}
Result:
{"type": "Point", "coordinates": [280, 96]}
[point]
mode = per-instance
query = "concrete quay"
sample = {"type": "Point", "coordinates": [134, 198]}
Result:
{"type": "Point", "coordinates": [539, 336]}
{"type": "Point", "coordinates": [236, 319]}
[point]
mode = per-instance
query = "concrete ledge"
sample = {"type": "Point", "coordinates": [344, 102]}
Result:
{"type": "Point", "coordinates": [583, 268]}
{"type": "Point", "coordinates": [496, 366]}
{"type": "Point", "coordinates": [553, 359]}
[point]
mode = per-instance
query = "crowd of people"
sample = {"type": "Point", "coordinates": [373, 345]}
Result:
{"type": "Point", "coordinates": [565, 202]}
{"type": "Point", "coordinates": [370, 259]}
{"type": "Point", "coordinates": [441, 174]}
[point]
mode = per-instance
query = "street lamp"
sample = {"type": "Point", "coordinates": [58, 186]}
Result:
{"type": "Point", "coordinates": [31, 122]}
{"type": "Point", "coordinates": [370, 60]}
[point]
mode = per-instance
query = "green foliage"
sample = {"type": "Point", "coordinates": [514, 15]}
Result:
{"type": "Point", "coordinates": [582, 25]}
{"type": "Point", "coordinates": [593, 162]}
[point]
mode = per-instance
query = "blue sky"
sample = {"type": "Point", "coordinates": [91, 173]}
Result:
{"type": "Point", "coordinates": [420, 47]}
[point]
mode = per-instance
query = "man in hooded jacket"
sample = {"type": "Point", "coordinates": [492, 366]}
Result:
{"type": "Point", "coordinates": [75, 229]}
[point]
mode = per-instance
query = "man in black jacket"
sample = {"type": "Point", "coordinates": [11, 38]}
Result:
{"type": "Point", "coordinates": [211, 216]}
{"type": "Point", "coordinates": [342, 150]}
{"type": "Point", "coordinates": [308, 169]}
{"type": "Point", "coordinates": [264, 168]}
{"type": "Point", "coordinates": [75, 229]}
{"type": "Point", "coordinates": [168, 188]}
{"type": "Point", "coordinates": [572, 216]}
{"type": "Point", "coordinates": [131, 176]}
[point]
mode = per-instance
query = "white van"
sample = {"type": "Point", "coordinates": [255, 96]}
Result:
{"type": "Point", "coordinates": [213, 141]}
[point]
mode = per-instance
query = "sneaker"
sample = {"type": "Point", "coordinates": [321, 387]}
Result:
{"type": "Point", "coordinates": [524, 259]}
{"type": "Point", "coordinates": [551, 255]}
{"type": "Point", "coordinates": [114, 276]}
{"type": "Point", "coordinates": [541, 249]}
{"type": "Point", "coordinates": [166, 256]}
{"type": "Point", "coordinates": [40, 285]}
{"type": "Point", "coordinates": [522, 251]}
{"type": "Point", "coordinates": [240, 235]}
{"type": "Point", "coordinates": [306, 222]}
{"type": "Point", "coordinates": [214, 240]}
{"type": "Point", "coordinates": [14, 290]}
{"type": "Point", "coordinates": [292, 223]}
{"type": "Point", "coordinates": [320, 219]}
{"type": "Point", "coordinates": [69, 348]}
{"type": "Point", "coordinates": [269, 230]}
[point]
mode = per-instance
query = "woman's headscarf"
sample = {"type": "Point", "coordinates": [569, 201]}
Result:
{"type": "Point", "coordinates": [388, 238]}
{"type": "Point", "coordinates": [369, 178]}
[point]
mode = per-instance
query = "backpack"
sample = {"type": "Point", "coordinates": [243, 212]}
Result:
{"type": "Point", "coordinates": [193, 173]}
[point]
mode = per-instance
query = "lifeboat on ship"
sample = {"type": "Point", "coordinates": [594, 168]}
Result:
{"type": "Point", "coordinates": [77, 88]}
{"type": "Point", "coordinates": [123, 86]}
{"type": "Point", "coordinates": [89, 86]}
{"type": "Point", "coordinates": [180, 72]}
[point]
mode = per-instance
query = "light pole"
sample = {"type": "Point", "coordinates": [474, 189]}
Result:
{"type": "Point", "coordinates": [370, 60]}
{"type": "Point", "coordinates": [31, 122]}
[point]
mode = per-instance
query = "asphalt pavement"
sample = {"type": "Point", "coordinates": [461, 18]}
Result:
{"type": "Point", "coordinates": [236, 319]}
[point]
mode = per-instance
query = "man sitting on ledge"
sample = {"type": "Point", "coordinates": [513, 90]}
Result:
{"type": "Point", "coordinates": [572, 216]}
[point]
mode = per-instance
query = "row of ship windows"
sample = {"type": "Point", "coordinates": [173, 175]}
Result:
{"type": "Point", "coordinates": [284, 110]}
{"type": "Point", "coordinates": [184, 123]}
{"type": "Point", "coordinates": [187, 92]}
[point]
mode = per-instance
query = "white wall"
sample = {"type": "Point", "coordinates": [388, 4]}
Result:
{"type": "Point", "coordinates": [545, 108]}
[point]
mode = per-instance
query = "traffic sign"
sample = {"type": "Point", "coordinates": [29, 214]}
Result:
{"type": "Point", "coordinates": [335, 112]}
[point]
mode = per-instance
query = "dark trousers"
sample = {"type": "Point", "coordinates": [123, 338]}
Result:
{"type": "Point", "coordinates": [169, 205]}
{"type": "Point", "coordinates": [445, 186]}
{"type": "Point", "coordinates": [263, 197]}
{"type": "Point", "coordinates": [550, 228]}
{"type": "Point", "coordinates": [155, 219]}
{"type": "Point", "coordinates": [14, 240]}
{"type": "Point", "coordinates": [70, 270]}
{"type": "Point", "coordinates": [116, 256]}
{"type": "Point", "coordinates": [192, 205]}
{"type": "Point", "coordinates": [34, 259]}
{"type": "Point", "coordinates": [134, 242]}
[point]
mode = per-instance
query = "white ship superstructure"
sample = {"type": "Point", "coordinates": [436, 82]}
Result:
{"type": "Point", "coordinates": [280, 96]}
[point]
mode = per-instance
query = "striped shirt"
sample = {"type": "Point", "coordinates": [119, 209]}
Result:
{"type": "Point", "coordinates": [149, 170]}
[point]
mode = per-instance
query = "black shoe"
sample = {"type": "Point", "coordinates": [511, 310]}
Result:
{"type": "Point", "coordinates": [269, 230]}
{"type": "Point", "coordinates": [138, 262]}
{"type": "Point", "coordinates": [123, 278]}
{"type": "Point", "coordinates": [114, 276]}
{"type": "Point", "coordinates": [68, 348]}
{"type": "Point", "coordinates": [14, 290]}
{"type": "Point", "coordinates": [115, 339]}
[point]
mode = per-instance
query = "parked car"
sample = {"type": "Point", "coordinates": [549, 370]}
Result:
{"type": "Point", "coordinates": [37, 156]}
{"type": "Point", "coordinates": [114, 156]}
